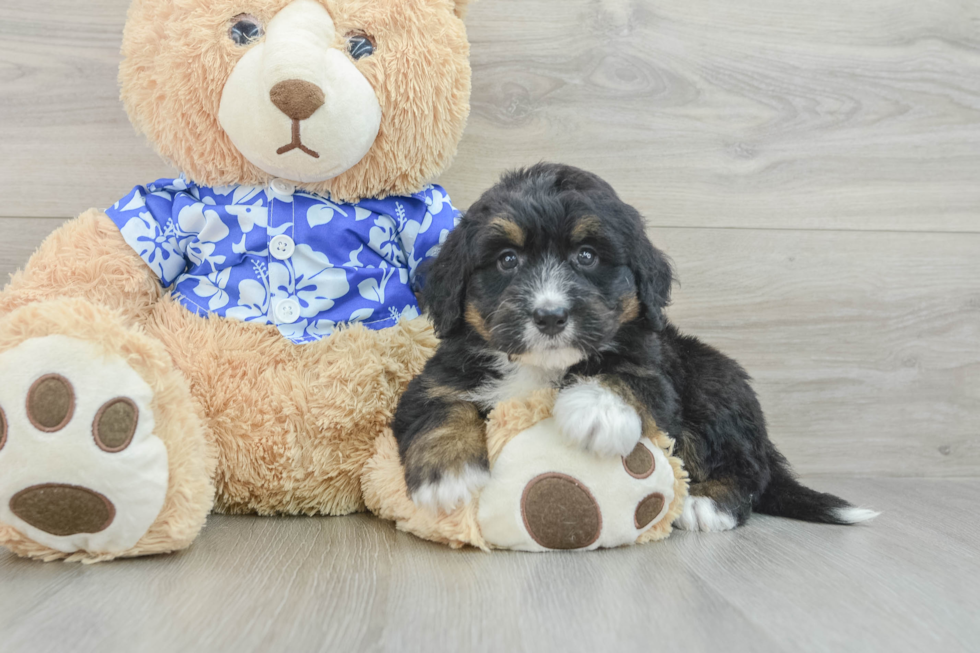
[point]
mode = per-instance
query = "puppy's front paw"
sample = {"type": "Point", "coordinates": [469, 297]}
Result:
{"type": "Point", "coordinates": [597, 419]}
{"type": "Point", "coordinates": [451, 490]}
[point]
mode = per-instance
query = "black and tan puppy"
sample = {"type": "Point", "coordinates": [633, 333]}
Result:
{"type": "Point", "coordinates": [550, 280]}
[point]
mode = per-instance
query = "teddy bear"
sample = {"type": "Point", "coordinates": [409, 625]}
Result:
{"type": "Point", "coordinates": [235, 339]}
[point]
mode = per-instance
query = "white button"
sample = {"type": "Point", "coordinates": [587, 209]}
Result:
{"type": "Point", "coordinates": [283, 187]}
{"type": "Point", "coordinates": [282, 247]}
{"type": "Point", "coordinates": [287, 311]}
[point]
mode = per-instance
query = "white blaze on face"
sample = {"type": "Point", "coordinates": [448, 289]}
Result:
{"type": "Point", "coordinates": [300, 44]}
{"type": "Point", "coordinates": [549, 290]}
{"type": "Point", "coordinates": [550, 287]}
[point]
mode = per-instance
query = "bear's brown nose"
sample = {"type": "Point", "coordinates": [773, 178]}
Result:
{"type": "Point", "coordinates": [296, 98]}
{"type": "Point", "coordinates": [62, 509]}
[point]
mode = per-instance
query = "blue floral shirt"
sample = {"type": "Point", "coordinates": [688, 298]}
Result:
{"type": "Point", "coordinates": [285, 257]}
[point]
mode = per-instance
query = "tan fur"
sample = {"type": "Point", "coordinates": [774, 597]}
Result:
{"type": "Point", "coordinates": [508, 419]}
{"type": "Point", "coordinates": [279, 427]}
{"type": "Point", "coordinates": [585, 227]}
{"type": "Point", "coordinates": [251, 422]}
{"type": "Point", "coordinates": [459, 440]}
{"type": "Point", "coordinates": [717, 489]}
{"type": "Point", "coordinates": [475, 320]}
{"type": "Point", "coordinates": [665, 526]}
{"type": "Point", "coordinates": [435, 391]}
{"type": "Point", "coordinates": [386, 494]}
{"type": "Point", "coordinates": [461, 7]}
{"type": "Point", "coordinates": [509, 229]}
{"type": "Point", "coordinates": [630, 309]}
{"type": "Point", "coordinates": [86, 257]}
{"type": "Point", "coordinates": [192, 456]}
{"type": "Point", "coordinates": [177, 60]}
{"type": "Point", "coordinates": [294, 425]}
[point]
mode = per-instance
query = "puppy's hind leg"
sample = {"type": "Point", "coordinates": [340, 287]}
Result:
{"type": "Point", "coordinates": [716, 505]}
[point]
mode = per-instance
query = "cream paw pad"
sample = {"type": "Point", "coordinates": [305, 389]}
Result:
{"type": "Point", "coordinates": [545, 493]}
{"type": "Point", "coordinates": [80, 466]}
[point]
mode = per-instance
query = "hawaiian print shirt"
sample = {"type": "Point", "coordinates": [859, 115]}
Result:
{"type": "Point", "coordinates": [289, 258]}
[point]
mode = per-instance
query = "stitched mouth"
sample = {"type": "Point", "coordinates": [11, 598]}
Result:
{"type": "Point", "coordinates": [297, 144]}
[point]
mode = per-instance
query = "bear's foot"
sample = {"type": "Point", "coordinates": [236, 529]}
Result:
{"type": "Point", "coordinates": [548, 493]}
{"type": "Point", "coordinates": [80, 467]}
{"type": "Point", "coordinates": [84, 470]}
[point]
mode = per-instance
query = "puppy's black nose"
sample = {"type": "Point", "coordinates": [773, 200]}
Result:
{"type": "Point", "coordinates": [550, 321]}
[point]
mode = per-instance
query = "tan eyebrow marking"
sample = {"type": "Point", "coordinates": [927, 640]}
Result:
{"type": "Point", "coordinates": [510, 229]}
{"type": "Point", "coordinates": [586, 226]}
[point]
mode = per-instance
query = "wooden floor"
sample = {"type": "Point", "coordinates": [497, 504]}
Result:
{"type": "Point", "coordinates": [813, 170]}
{"type": "Point", "coordinates": [909, 581]}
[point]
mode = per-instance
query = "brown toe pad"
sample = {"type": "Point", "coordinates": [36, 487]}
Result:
{"type": "Point", "coordinates": [50, 403]}
{"type": "Point", "coordinates": [115, 424]}
{"type": "Point", "coordinates": [648, 510]}
{"type": "Point", "coordinates": [560, 513]}
{"type": "Point", "coordinates": [640, 463]}
{"type": "Point", "coordinates": [63, 509]}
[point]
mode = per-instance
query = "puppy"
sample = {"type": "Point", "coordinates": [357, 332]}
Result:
{"type": "Point", "coordinates": [550, 281]}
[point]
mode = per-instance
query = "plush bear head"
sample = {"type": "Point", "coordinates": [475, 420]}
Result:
{"type": "Point", "coordinates": [352, 98]}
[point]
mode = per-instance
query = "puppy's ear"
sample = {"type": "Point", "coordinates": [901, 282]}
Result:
{"type": "Point", "coordinates": [445, 283]}
{"type": "Point", "coordinates": [654, 277]}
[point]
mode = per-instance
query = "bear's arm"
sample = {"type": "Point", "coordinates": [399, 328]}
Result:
{"type": "Point", "coordinates": [86, 258]}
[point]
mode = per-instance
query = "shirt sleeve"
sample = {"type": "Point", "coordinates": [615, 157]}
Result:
{"type": "Point", "coordinates": [423, 234]}
{"type": "Point", "coordinates": [146, 220]}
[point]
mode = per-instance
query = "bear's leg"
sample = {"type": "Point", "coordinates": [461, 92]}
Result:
{"type": "Point", "coordinates": [102, 450]}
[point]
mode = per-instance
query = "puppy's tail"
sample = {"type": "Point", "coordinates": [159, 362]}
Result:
{"type": "Point", "coordinates": [786, 497]}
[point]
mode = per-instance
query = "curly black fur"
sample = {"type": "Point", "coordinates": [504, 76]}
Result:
{"type": "Point", "coordinates": [617, 327]}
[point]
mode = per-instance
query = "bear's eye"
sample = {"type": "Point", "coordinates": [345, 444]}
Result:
{"type": "Point", "coordinates": [587, 257]}
{"type": "Point", "coordinates": [360, 45]}
{"type": "Point", "coordinates": [245, 29]}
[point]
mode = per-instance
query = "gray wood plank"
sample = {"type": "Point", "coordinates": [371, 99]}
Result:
{"type": "Point", "coordinates": [864, 346]}
{"type": "Point", "coordinates": [754, 114]}
{"type": "Point", "coordinates": [906, 582]}
{"type": "Point", "coordinates": [818, 588]}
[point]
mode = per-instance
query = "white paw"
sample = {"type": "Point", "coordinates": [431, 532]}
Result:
{"type": "Point", "coordinates": [597, 419]}
{"type": "Point", "coordinates": [703, 514]}
{"type": "Point", "coordinates": [80, 467]}
{"type": "Point", "coordinates": [452, 490]}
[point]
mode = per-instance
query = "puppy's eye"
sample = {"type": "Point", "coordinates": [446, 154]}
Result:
{"type": "Point", "coordinates": [587, 257]}
{"type": "Point", "coordinates": [508, 260]}
{"type": "Point", "coordinates": [245, 29]}
{"type": "Point", "coordinates": [360, 45]}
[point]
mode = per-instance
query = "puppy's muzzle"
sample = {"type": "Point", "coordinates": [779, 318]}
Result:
{"type": "Point", "coordinates": [550, 321]}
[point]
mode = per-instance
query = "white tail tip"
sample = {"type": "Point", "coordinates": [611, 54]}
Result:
{"type": "Point", "coordinates": [855, 515]}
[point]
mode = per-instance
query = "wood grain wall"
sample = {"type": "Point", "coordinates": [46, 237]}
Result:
{"type": "Point", "coordinates": [813, 169]}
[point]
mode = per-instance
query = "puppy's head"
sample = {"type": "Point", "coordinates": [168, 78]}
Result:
{"type": "Point", "coordinates": [547, 266]}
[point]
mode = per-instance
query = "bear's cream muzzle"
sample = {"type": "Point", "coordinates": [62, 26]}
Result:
{"type": "Point", "coordinates": [295, 105]}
